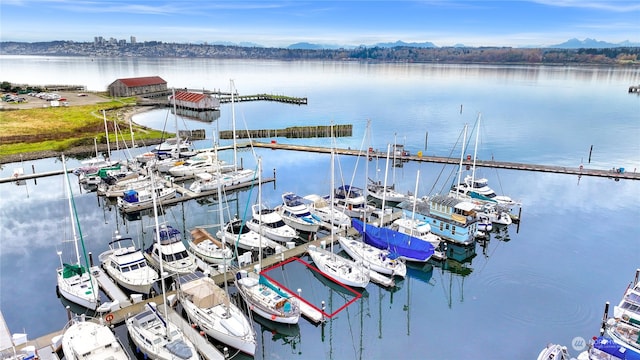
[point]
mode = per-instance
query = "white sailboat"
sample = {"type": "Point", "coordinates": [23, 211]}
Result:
{"type": "Point", "coordinates": [478, 188]}
{"type": "Point", "coordinates": [208, 248]}
{"type": "Point", "coordinates": [262, 296]}
{"type": "Point", "coordinates": [154, 334]}
{"type": "Point", "coordinates": [85, 339]}
{"type": "Point", "coordinates": [75, 280]}
{"type": "Point", "coordinates": [210, 307]}
{"type": "Point", "coordinates": [336, 267]}
{"type": "Point", "coordinates": [377, 259]}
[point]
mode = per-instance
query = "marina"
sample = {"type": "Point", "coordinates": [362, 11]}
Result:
{"type": "Point", "coordinates": [522, 288]}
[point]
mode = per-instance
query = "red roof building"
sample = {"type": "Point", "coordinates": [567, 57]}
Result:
{"type": "Point", "coordinates": [137, 86]}
{"type": "Point", "coordinates": [195, 101]}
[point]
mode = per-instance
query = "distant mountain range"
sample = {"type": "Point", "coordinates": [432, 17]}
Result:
{"type": "Point", "coordinates": [592, 44]}
{"type": "Point", "coordinates": [569, 44]}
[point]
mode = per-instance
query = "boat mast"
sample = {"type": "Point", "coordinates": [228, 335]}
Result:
{"type": "Point", "coordinates": [71, 217]}
{"type": "Point", "coordinates": [464, 138]}
{"type": "Point", "coordinates": [414, 227]}
{"type": "Point", "coordinates": [233, 125]}
{"type": "Point", "coordinates": [160, 260]}
{"type": "Point", "coordinates": [384, 188]}
{"type": "Point", "coordinates": [106, 132]}
{"type": "Point", "coordinates": [74, 218]}
{"type": "Point", "coordinates": [475, 151]}
{"type": "Point", "coordinates": [331, 196]}
{"type": "Point", "coordinates": [260, 213]}
{"type": "Point", "coordinates": [175, 119]}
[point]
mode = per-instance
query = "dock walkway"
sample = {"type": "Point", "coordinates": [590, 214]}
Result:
{"type": "Point", "coordinates": [110, 288]}
{"type": "Point", "coordinates": [613, 173]}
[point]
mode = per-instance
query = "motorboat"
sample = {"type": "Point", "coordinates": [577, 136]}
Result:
{"type": "Point", "coordinates": [295, 213]}
{"type": "Point", "coordinates": [208, 182]}
{"type": "Point", "coordinates": [170, 250]}
{"type": "Point", "coordinates": [554, 352]}
{"type": "Point", "coordinates": [629, 307]}
{"type": "Point", "coordinates": [127, 265]}
{"type": "Point", "coordinates": [267, 221]}
{"type": "Point", "coordinates": [200, 163]}
{"type": "Point", "coordinates": [135, 200]}
{"type": "Point", "coordinates": [387, 193]}
{"type": "Point", "coordinates": [351, 201]}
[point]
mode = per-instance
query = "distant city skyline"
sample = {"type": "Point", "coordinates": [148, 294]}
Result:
{"type": "Point", "coordinates": [340, 23]}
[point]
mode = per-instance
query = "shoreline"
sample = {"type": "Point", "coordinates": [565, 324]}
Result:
{"type": "Point", "coordinates": [128, 113]}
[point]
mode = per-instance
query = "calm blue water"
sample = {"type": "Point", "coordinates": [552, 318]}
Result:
{"type": "Point", "coordinates": [576, 248]}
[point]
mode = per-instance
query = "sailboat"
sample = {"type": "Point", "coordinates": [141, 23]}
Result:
{"type": "Point", "coordinates": [478, 188]}
{"type": "Point", "coordinates": [262, 296]}
{"type": "Point", "coordinates": [333, 266]}
{"type": "Point", "coordinates": [210, 307]}
{"type": "Point", "coordinates": [205, 246]}
{"type": "Point", "coordinates": [75, 280]}
{"type": "Point", "coordinates": [380, 260]}
{"type": "Point", "coordinates": [153, 333]}
{"type": "Point", "coordinates": [168, 153]}
{"type": "Point", "coordinates": [384, 192]}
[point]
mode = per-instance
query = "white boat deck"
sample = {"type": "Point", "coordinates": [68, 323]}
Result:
{"type": "Point", "coordinates": [205, 348]}
{"type": "Point", "coordinates": [110, 288]}
{"type": "Point", "coordinates": [308, 311]}
{"type": "Point", "coordinates": [381, 279]}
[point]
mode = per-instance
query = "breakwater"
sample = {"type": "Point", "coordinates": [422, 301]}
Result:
{"type": "Point", "coordinates": [292, 132]}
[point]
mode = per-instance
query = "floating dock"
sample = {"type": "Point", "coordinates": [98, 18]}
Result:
{"type": "Point", "coordinates": [614, 173]}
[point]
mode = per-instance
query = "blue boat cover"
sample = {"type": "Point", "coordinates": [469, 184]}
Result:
{"type": "Point", "coordinates": [130, 196]}
{"type": "Point", "coordinates": [398, 244]}
{"type": "Point", "coordinates": [180, 349]}
{"type": "Point", "coordinates": [607, 345]}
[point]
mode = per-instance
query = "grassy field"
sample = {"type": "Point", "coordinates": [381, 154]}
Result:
{"type": "Point", "coordinates": [60, 128]}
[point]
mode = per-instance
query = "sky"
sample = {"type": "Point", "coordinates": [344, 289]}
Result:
{"type": "Point", "coordinates": [276, 23]}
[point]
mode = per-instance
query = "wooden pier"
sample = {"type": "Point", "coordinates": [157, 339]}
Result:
{"type": "Point", "coordinates": [266, 97]}
{"type": "Point", "coordinates": [293, 132]}
{"type": "Point", "coordinates": [613, 173]}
